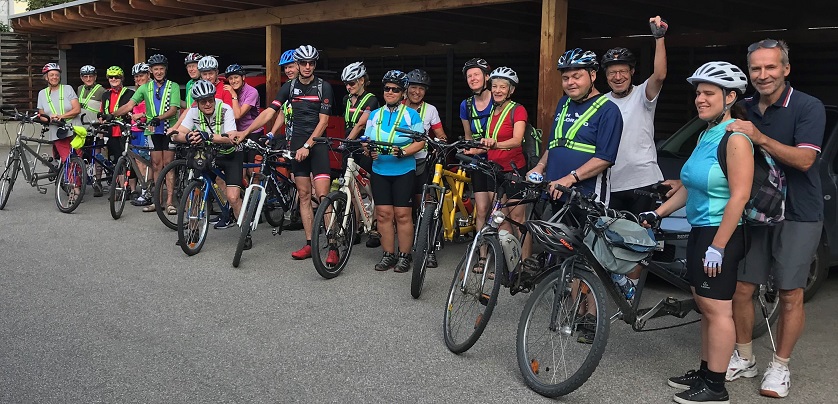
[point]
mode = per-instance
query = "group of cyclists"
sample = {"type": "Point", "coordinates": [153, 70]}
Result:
{"type": "Point", "coordinates": [601, 144]}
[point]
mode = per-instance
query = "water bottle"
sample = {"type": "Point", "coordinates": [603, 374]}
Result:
{"type": "Point", "coordinates": [626, 286]}
{"type": "Point", "coordinates": [535, 178]}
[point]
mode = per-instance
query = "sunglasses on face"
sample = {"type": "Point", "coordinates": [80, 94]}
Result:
{"type": "Point", "coordinates": [351, 83]}
{"type": "Point", "coordinates": [113, 77]}
{"type": "Point", "coordinates": [306, 63]}
{"type": "Point", "coordinates": [765, 43]}
{"type": "Point", "coordinates": [388, 89]}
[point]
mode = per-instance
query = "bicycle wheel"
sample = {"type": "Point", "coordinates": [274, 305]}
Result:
{"type": "Point", "coordinates": [273, 208]}
{"type": "Point", "coordinates": [423, 246]}
{"type": "Point", "coordinates": [552, 354]}
{"type": "Point", "coordinates": [247, 223]}
{"type": "Point", "coordinates": [7, 179]}
{"type": "Point", "coordinates": [332, 235]}
{"type": "Point", "coordinates": [473, 295]}
{"type": "Point", "coordinates": [161, 190]}
{"type": "Point", "coordinates": [70, 184]}
{"type": "Point", "coordinates": [119, 188]}
{"type": "Point", "coordinates": [192, 218]}
{"type": "Point", "coordinates": [767, 296]}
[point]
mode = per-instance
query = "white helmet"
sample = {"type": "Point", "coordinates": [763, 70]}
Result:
{"type": "Point", "coordinates": [306, 52]}
{"type": "Point", "coordinates": [202, 89]}
{"type": "Point", "coordinates": [722, 74]}
{"type": "Point", "coordinates": [353, 72]}
{"type": "Point", "coordinates": [87, 69]}
{"type": "Point", "coordinates": [505, 73]}
{"type": "Point", "coordinates": [207, 63]}
{"type": "Point", "coordinates": [139, 68]}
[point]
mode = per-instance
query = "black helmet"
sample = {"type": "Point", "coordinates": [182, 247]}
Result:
{"type": "Point", "coordinates": [557, 238]}
{"type": "Point", "coordinates": [158, 59]}
{"type": "Point", "coordinates": [479, 63]}
{"type": "Point", "coordinates": [419, 76]}
{"type": "Point", "coordinates": [618, 55]}
{"type": "Point", "coordinates": [396, 77]}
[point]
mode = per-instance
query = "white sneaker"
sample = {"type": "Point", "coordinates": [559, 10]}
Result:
{"type": "Point", "coordinates": [776, 381]}
{"type": "Point", "coordinates": [739, 367]}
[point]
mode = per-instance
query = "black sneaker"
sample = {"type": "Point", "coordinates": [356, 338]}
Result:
{"type": "Point", "coordinates": [404, 263]}
{"type": "Point", "coordinates": [702, 394]}
{"type": "Point", "coordinates": [388, 260]}
{"type": "Point", "coordinates": [97, 189]}
{"type": "Point", "coordinates": [373, 242]}
{"type": "Point", "coordinates": [248, 242]}
{"type": "Point", "coordinates": [224, 223]}
{"type": "Point", "coordinates": [432, 260]}
{"type": "Point", "coordinates": [691, 379]}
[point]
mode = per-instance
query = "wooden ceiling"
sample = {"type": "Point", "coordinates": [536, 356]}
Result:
{"type": "Point", "coordinates": [372, 27]}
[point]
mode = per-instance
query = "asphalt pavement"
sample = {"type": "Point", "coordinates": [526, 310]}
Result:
{"type": "Point", "coordinates": [97, 310]}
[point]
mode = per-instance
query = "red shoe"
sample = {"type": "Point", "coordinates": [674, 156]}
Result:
{"type": "Point", "coordinates": [302, 253]}
{"type": "Point", "coordinates": [333, 258]}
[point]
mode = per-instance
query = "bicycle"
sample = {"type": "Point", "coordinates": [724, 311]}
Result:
{"type": "Point", "coordinates": [334, 230]}
{"type": "Point", "coordinates": [553, 361]}
{"type": "Point", "coordinates": [266, 192]}
{"type": "Point", "coordinates": [474, 289]}
{"type": "Point", "coordinates": [442, 202]}
{"type": "Point", "coordinates": [201, 190]}
{"type": "Point", "coordinates": [17, 159]}
{"type": "Point", "coordinates": [127, 163]}
{"type": "Point", "coordinates": [179, 172]}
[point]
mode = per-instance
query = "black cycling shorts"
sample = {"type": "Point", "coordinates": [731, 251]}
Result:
{"type": "Point", "coordinates": [393, 190]}
{"type": "Point", "coordinates": [632, 202]}
{"type": "Point", "coordinates": [316, 163]}
{"type": "Point", "coordinates": [723, 285]}
{"type": "Point", "coordinates": [480, 181]}
{"type": "Point", "coordinates": [160, 142]}
{"type": "Point", "coordinates": [231, 165]}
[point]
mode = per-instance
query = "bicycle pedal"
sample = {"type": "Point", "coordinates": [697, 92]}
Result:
{"type": "Point", "coordinates": [43, 191]}
{"type": "Point", "coordinates": [276, 231]}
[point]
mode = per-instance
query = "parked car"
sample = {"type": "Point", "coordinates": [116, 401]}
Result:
{"type": "Point", "coordinates": [674, 151]}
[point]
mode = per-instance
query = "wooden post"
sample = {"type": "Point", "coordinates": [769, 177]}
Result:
{"type": "Point", "coordinates": [553, 42]}
{"type": "Point", "coordinates": [139, 50]}
{"type": "Point", "coordinates": [273, 73]}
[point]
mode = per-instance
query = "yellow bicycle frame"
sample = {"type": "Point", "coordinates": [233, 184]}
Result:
{"type": "Point", "coordinates": [452, 202]}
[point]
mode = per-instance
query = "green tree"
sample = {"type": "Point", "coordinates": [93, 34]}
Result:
{"type": "Point", "coordinates": [4, 27]}
{"type": "Point", "coordinates": [36, 4]}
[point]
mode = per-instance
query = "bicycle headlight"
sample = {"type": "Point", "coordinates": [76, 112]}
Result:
{"type": "Point", "coordinates": [497, 218]}
{"type": "Point", "coordinates": [341, 181]}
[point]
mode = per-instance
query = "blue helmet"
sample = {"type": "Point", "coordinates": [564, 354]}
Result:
{"type": "Point", "coordinates": [287, 57]}
{"type": "Point", "coordinates": [578, 59]}
{"type": "Point", "coordinates": [396, 77]}
{"type": "Point", "coordinates": [235, 68]}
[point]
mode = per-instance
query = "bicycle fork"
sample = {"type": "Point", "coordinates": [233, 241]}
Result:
{"type": "Point", "coordinates": [247, 194]}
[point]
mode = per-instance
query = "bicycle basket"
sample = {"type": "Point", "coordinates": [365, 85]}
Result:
{"type": "Point", "coordinates": [619, 244]}
{"type": "Point", "coordinates": [200, 159]}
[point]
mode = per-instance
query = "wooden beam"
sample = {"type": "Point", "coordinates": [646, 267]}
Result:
{"type": "Point", "coordinates": [59, 17]}
{"type": "Point", "coordinates": [553, 42]}
{"type": "Point", "coordinates": [48, 22]}
{"type": "Point", "coordinates": [148, 6]}
{"type": "Point", "coordinates": [123, 7]}
{"type": "Point", "coordinates": [105, 10]}
{"type": "Point", "coordinates": [320, 11]}
{"type": "Point", "coordinates": [463, 47]}
{"type": "Point", "coordinates": [201, 7]}
{"type": "Point", "coordinates": [254, 3]}
{"type": "Point", "coordinates": [273, 51]}
{"type": "Point", "coordinates": [219, 4]}
{"type": "Point", "coordinates": [88, 15]}
{"type": "Point", "coordinates": [139, 50]}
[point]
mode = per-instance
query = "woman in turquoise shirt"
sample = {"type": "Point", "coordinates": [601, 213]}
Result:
{"type": "Point", "coordinates": [714, 206]}
{"type": "Point", "coordinates": [393, 172]}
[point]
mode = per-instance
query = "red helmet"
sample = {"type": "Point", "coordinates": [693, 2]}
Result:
{"type": "Point", "coordinates": [50, 66]}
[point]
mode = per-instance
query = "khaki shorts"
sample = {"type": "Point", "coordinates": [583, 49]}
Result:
{"type": "Point", "coordinates": [785, 250]}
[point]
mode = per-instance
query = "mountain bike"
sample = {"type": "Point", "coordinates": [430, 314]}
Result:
{"type": "Point", "coordinates": [492, 259]}
{"type": "Point", "coordinates": [127, 163]}
{"type": "Point", "coordinates": [179, 173]}
{"type": "Point", "coordinates": [443, 214]}
{"type": "Point", "coordinates": [17, 160]}
{"type": "Point", "coordinates": [266, 192]}
{"type": "Point", "coordinates": [554, 355]}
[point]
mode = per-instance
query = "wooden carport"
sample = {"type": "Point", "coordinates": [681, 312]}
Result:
{"type": "Point", "coordinates": [347, 29]}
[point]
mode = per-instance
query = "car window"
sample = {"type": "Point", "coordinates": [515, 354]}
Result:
{"type": "Point", "coordinates": [683, 141]}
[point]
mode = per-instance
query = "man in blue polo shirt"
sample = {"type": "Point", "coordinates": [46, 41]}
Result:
{"type": "Point", "coordinates": [789, 125]}
{"type": "Point", "coordinates": [586, 131]}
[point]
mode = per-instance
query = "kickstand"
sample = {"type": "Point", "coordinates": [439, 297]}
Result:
{"type": "Point", "coordinates": [767, 323]}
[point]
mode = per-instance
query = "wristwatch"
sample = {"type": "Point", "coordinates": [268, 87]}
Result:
{"type": "Point", "coordinates": [306, 145]}
{"type": "Point", "coordinates": [573, 173]}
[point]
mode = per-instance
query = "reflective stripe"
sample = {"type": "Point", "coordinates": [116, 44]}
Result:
{"type": "Point", "coordinates": [351, 121]}
{"type": "Point", "coordinates": [392, 135]}
{"type": "Point", "coordinates": [567, 141]}
{"type": "Point", "coordinates": [85, 101]}
{"type": "Point", "coordinates": [60, 101]}
{"type": "Point", "coordinates": [217, 131]}
{"type": "Point", "coordinates": [503, 115]}
{"type": "Point", "coordinates": [163, 100]}
{"type": "Point", "coordinates": [476, 117]}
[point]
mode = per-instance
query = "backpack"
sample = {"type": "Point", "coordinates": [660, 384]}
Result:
{"type": "Point", "coordinates": [767, 204]}
{"type": "Point", "coordinates": [531, 144]}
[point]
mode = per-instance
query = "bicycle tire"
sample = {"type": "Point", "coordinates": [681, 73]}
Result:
{"type": "Point", "coordinates": [274, 215]}
{"type": "Point", "coordinates": [71, 175]}
{"type": "Point", "coordinates": [540, 307]}
{"type": "Point", "coordinates": [179, 186]}
{"type": "Point", "coordinates": [247, 224]}
{"type": "Point", "coordinates": [474, 294]}
{"type": "Point", "coordinates": [7, 179]}
{"type": "Point", "coordinates": [119, 188]}
{"type": "Point", "coordinates": [192, 230]}
{"type": "Point", "coordinates": [422, 248]}
{"type": "Point", "coordinates": [326, 237]}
